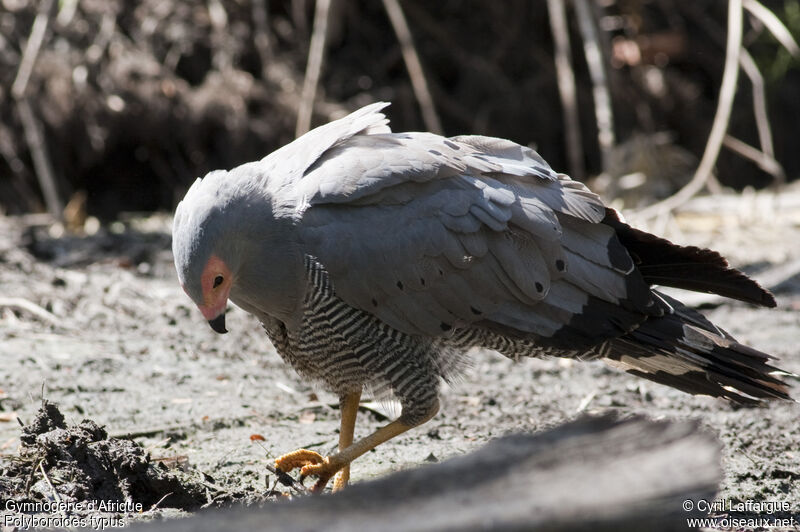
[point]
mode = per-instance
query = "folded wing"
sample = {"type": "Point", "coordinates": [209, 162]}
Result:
{"type": "Point", "coordinates": [433, 234]}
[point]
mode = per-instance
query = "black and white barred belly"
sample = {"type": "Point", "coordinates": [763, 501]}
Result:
{"type": "Point", "coordinates": [348, 349]}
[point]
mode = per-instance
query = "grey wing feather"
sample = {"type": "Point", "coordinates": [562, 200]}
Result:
{"type": "Point", "coordinates": [431, 234]}
{"type": "Point", "coordinates": [288, 164]}
{"type": "Point", "coordinates": [363, 165]}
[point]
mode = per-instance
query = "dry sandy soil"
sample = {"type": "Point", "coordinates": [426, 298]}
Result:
{"type": "Point", "coordinates": [120, 344]}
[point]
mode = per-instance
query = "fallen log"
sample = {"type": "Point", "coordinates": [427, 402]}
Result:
{"type": "Point", "coordinates": [591, 474]}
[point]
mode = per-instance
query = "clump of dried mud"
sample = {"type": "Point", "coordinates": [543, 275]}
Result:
{"type": "Point", "coordinates": [75, 463]}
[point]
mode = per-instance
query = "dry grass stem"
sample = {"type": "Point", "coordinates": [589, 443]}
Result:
{"type": "Point", "coordinates": [721, 118]}
{"type": "Point", "coordinates": [604, 114]}
{"type": "Point", "coordinates": [566, 87]}
{"type": "Point", "coordinates": [313, 67]}
{"type": "Point", "coordinates": [413, 65]}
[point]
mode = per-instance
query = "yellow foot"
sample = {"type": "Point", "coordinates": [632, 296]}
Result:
{"type": "Point", "coordinates": [311, 464]}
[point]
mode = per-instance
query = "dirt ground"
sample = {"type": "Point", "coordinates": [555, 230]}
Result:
{"type": "Point", "coordinates": [120, 344]}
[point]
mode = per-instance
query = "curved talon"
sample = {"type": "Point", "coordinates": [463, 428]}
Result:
{"type": "Point", "coordinates": [324, 471]}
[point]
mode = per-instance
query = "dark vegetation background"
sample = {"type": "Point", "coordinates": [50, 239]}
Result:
{"type": "Point", "coordinates": [137, 99]}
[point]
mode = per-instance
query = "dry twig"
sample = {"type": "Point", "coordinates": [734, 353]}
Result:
{"type": "Point", "coordinates": [41, 158]}
{"type": "Point", "coordinates": [158, 502]}
{"type": "Point", "coordinates": [765, 157]}
{"type": "Point", "coordinates": [413, 65]}
{"type": "Point", "coordinates": [762, 119]}
{"type": "Point", "coordinates": [32, 474]}
{"type": "Point", "coordinates": [721, 118]}
{"type": "Point", "coordinates": [283, 477]}
{"type": "Point", "coordinates": [56, 496]}
{"type": "Point", "coordinates": [149, 432]}
{"type": "Point", "coordinates": [287, 480]}
{"type": "Point", "coordinates": [766, 162]}
{"type": "Point", "coordinates": [774, 25]}
{"type": "Point", "coordinates": [19, 303]}
{"type": "Point", "coordinates": [604, 114]}
{"type": "Point", "coordinates": [32, 48]}
{"type": "Point", "coordinates": [33, 129]}
{"type": "Point", "coordinates": [586, 401]}
{"type": "Point", "coordinates": [313, 67]}
{"type": "Point", "coordinates": [566, 86]}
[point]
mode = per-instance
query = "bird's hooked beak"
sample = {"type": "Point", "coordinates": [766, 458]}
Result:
{"type": "Point", "coordinates": [216, 315]}
{"type": "Point", "coordinates": [214, 312]}
{"type": "Point", "coordinates": [218, 323]}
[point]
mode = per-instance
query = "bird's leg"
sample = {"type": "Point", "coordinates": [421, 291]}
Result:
{"type": "Point", "coordinates": [348, 405]}
{"type": "Point", "coordinates": [324, 468]}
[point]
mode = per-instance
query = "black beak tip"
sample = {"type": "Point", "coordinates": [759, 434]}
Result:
{"type": "Point", "coordinates": [218, 324]}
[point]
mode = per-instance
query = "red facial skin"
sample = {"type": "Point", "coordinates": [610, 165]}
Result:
{"type": "Point", "coordinates": [215, 299]}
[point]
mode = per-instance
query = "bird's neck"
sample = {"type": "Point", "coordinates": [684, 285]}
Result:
{"type": "Point", "coordinates": [270, 282]}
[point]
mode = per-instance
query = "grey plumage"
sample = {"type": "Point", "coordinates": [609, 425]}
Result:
{"type": "Point", "coordinates": [376, 259]}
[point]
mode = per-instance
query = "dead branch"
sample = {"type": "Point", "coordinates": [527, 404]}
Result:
{"type": "Point", "coordinates": [19, 303]}
{"type": "Point", "coordinates": [413, 65]}
{"type": "Point", "coordinates": [774, 25]}
{"type": "Point", "coordinates": [41, 158]}
{"type": "Point", "coordinates": [722, 116]}
{"type": "Point", "coordinates": [33, 129]}
{"type": "Point", "coordinates": [750, 68]}
{"type": "Point", "coordinates": [590, 474]}
{"type": "Point", "coordinates": [566, 86]}
{"type": "Point", "coordinates": [32, 48]}
{"type": "Point", "coordinates": [766, 162]}
{"type": "Point", "coordinates": [144, 433]}
{"type": "Point", "coordinates": [313, 67]}
{"type": "Point", "coordinates": [604, 114]}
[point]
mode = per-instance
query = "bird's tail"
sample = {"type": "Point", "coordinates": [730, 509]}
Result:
{"type": "Point", "coordinates": [701, 270]}
{"type": "Point", "coordinates": [684, 350]}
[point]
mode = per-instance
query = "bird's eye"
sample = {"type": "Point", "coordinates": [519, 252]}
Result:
{"type": "Point", "coordinates": [217, 281]}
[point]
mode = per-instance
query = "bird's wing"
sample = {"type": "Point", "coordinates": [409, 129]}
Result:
{"type": "Point", "coordinates": [288, 164]}
{"type": "Point", "coordinates": [432, 234]}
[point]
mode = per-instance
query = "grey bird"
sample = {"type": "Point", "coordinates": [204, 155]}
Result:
{"type": "Point", "coordinates": [374, 260]}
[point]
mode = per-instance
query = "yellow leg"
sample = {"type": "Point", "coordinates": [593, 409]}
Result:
{"type": "Point", "coordinates": [348, 405]}
{"type": "Point", "coordinates": [324, 468]}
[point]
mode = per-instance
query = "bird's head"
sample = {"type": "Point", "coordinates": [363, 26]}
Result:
{"type": "Point", "coordinates": [206, 247]}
